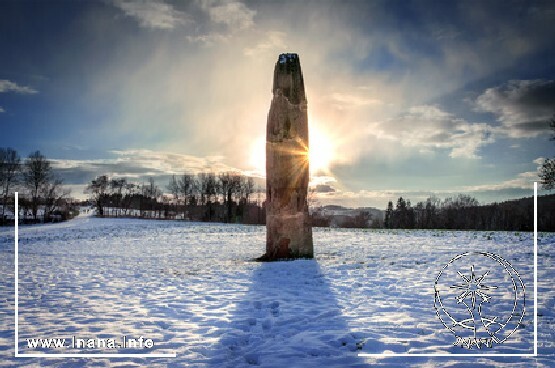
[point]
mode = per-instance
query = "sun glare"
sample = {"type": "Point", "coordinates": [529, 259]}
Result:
{"type": "Point", "coordinates": [321, 152]}
{"type": "Point", "coordinates": [257, 159]}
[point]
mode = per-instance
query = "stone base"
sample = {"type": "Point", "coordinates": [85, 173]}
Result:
{"type": "Point", "coordinates": [289, 236]}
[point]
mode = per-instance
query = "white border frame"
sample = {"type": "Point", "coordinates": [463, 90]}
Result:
{"type": "Point", "coordinates": [48, 355]}
{"type": "Point", "coordinates": [535, 353]}
{"type": "Point", "coordinates": [173, 355]}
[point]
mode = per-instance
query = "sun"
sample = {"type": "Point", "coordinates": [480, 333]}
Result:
{"type": "Point", "coordinates": [320, 153]}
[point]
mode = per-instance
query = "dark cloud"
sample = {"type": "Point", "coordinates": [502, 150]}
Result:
{"type": "Point", "coordinates": [324, 188]}
{"type": "Point", "coordinates": [532, 126]}
{"type": "Point", "coordinates": [523, 107]}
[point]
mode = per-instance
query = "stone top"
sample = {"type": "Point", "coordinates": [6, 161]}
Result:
{"type": "Point", "coordinates": [288, 78]}
{"type": "Point", "coordinates": [284, 58]}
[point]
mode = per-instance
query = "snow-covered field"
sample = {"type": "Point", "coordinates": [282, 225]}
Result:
{"type": "Point", "coordinates": [195, 290]}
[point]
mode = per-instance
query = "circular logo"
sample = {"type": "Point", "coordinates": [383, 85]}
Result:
{"type": "Point", "coordinates": [479, 297]}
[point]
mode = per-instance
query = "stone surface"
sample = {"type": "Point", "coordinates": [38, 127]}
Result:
{"type": "Point", "coordinates": [289, 232]}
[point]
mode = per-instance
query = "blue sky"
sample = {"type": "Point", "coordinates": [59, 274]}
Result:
{"type": "Point", "coordinates": [405, 97]}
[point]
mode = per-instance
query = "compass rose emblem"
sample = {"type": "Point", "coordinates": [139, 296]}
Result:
{"type": "Point", "coordinates": [480, 298]}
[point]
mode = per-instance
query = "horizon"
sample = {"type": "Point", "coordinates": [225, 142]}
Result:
{"type": "Point", "coordinates": [404, 99]}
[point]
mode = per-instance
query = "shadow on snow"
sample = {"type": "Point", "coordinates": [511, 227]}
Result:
{"type": "Point", "coordinates": [288, 317]}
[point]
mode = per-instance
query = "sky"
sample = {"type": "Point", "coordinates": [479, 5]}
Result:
{"type": "Point", "coordinates": [405, 98]}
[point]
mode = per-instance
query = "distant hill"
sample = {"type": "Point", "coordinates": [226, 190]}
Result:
{"type": "Point", "coordinates": [339, 216]}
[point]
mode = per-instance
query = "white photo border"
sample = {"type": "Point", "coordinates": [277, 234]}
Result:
{"type": "Point", "coordinates": [173, 355]}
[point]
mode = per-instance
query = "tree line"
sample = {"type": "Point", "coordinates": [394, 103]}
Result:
{"type": "Point", "coordinates": [206, 196]}
{"type": "Point", "coordinates": [463, 212]}
{"type": "Point", "coordinates": [42, 195]}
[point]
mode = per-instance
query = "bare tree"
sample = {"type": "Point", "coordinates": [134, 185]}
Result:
{"type": "Point", "coordinates": [116, 187]}
{"type": "Point", "coordinates": [235, 186]}
{"type": "Point", "coordinates": [173, 187]}
{"type": "Point", "coordinates": [37, 173]}
{"type": "Point", "coordinates": [249, 188]}
{"type": "Point", "coordinates": [188, 187]}
{"type": "Point", "coordinates": [202, 185]}
{"type": "Point", "coordinates": [151, 190]}
{"type": "Point", "coordinates": [464, 200]}
{"type": "Point", "coordinates": [229, 186]}
{"type": "Point", "coordinates": [98, 189]}
{"type": "Point", "coordinates": [152, 193]}
{"type": "Point", "coordinates": [53, 193]}
{"type": "Point", "coordinates": [129, 191]}
{"type": "Point", "coordinates": [225, 185]}
{"type": "Point", "coordinates": [211, 186]}
{"type": "Point", "coordinates": [9, 168]}
{"type": "Point", "coordinates": [208, 187]}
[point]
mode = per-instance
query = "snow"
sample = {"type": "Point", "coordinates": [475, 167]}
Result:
{"type": "Point", "coordinates": [195, 290]}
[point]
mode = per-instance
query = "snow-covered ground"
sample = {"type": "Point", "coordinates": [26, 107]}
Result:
{"type": "Point", "coordinates": [195, 290]}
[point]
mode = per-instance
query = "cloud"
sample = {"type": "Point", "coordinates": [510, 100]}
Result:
{"type": "Point", "coordinates": [519, 186]}
{"type": "Point", "coordinates": [324, 188]}
{"type": "Point", "coordinates": [138, 164]}
{"type": "Point", "coordinates": [234, 14]}
{"type": "Point", "coordinates": [2, 109]}
{"type": "Point", "coordinates": [155, 14]}
{"type": "Point", "coordinates": [523, 107]}
{"type": "Point", "coordinates": [362, 77]}
{"type": "Point", "coordinates": [213, 94]}
{"type": "Point", "coordinates": [272, 40]}
{"type": "Point", "coordinates": [523, 180]}
{"type": "Point", "coordinates": [207, 39]}
{"type": "Point", "coordinates": [427, 128]}
{"type": "Point", "coordinates": [349, 100]}
{"type": "Point", "coordinates": [321, 179]}
{"type": "Point", "coordinates": [9, 86]}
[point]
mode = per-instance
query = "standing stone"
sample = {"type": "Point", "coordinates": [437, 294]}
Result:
{"type": "Point", "coordinates": [288, 228]}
